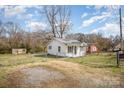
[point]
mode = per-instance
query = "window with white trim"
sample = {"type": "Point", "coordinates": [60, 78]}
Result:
{"type": "Point", "coordinates": [59, 49]}
{"type": "Point", "coordinates": [50, 47]}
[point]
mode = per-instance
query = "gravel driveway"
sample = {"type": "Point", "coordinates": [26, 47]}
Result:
{"type": "Point", "coordinates": [62, 74]}
{"type": "Point", "coordinates": [38, 75]}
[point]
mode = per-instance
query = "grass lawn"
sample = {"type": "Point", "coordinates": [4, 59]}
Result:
{"type": "Point", "coordinates": [10, 63]}
{"type": "Point", "coordinates": [103, 60]}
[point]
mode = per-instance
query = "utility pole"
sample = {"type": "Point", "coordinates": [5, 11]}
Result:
{"type": "Point", "coordinates": [121, 37]}
{"type": "Point", "coordinates": [120, 55]}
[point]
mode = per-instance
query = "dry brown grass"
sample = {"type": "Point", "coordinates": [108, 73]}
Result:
{"type": "Point", "coordinates": [76, 76]}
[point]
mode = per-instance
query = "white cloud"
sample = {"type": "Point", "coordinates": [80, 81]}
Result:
{"type": "Point", "coordinates": [111, 7]}
{"type": "Point", "coordinates": [98, 6]}
{"type": "Point", "coordinates": [93, 19]}
{"type": "Point", "coordinates": [12, 10]}
{"type": "Point", "coordinates": [107, 29]}
{"type": "Point", "coordinates": [123, 18]}
{"type": "Point", "coordinates": [84, 15]}
{"type": "Point", "coordinates": [88, 6]}
{"type": "Point", "coordinates": [25, 16]}
{"type": "Point", "coordinates": [2, 6]}
{"type": "Point", "coordinates": [35, 25]}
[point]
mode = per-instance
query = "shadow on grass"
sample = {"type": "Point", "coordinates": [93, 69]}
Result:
{"type": "Point", "coordinates": [105, 66]}
{"type": "Point", "coordinates": [1, 65]}
{"type": "Point", "coordinates": [102, 65]}
{"type": "Point", "coordinates": [47, 56]}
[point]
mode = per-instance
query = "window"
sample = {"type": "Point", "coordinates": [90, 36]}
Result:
{"type": "Point", "coordinates": [23, 50]}
{"type": "Point", "coordinates": [50, 47]}
{"type": "Point", "coordinates": [75, 50]}
{"type": "Point", "coordinates": [59, 48]}
{"type": "Point", "coordinates": [70, 49]}
{"type": "Point", "coordinates": [94, 49]}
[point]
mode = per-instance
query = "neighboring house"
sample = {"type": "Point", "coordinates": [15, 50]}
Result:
{"type": "Point", "coordinates": [66, 48]}
{"type": "Point", "coordinates": [92, 48]}
{"type": "Point", "coordinates": [19, 51]}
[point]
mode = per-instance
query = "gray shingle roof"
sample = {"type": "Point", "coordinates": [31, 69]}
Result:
{"type": "Point", "coordinates": [67, 41]}
{"type": "Point", "coordinates": [70, 41]}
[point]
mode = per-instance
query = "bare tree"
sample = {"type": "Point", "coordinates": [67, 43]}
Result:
{"type": "Point", "coordinates": [114, 41]}
{"type": "Point", "coordinates": [13, 32]}
{"type": "Point", "coordinates": [63, 20]}
{"type": "Point", "coordinates": [58, 18]}
{"type": "Point", "coordinates": [51, 13]}
{"type": "Point", "coordinates": [2, 30]}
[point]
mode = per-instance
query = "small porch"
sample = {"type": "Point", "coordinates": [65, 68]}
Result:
{"type": "Point", "coordinates": [74, 51]}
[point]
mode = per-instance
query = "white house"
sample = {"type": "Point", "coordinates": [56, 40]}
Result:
{"type": "Point", "coordinates": [66, 48]}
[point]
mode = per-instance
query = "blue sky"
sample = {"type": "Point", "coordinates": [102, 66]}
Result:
{"type": "Point", "coordinates": [85, 19]}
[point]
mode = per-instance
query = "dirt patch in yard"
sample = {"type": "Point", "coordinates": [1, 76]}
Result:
{"type": "Point", "coordinates": [62, 74]}
{"type": "Point", "coordinates": [40, 77]}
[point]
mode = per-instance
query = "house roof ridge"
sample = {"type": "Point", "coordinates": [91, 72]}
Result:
{"type": "Point", "coordinates": [66, 40]}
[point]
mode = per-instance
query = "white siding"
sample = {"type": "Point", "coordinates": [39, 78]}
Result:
{"type": "Point", "coordinates": [83, 51]}
{"type": "Point", "coordinates": [54, 49]}
{"type": "Point", "coordinates": [64, 49]}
